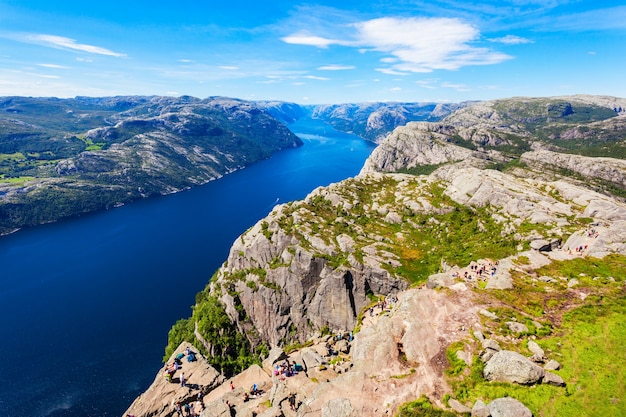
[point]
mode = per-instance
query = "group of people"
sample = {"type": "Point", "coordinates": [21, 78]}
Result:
{"type": "Point", "coordinates": [478, 271]}
{"type": "Point", "coordinates": [286, 369]}
{"type": "Point", "coordinates": [382, 305]}
{"type": "Point", "coordinates": [190, 409]}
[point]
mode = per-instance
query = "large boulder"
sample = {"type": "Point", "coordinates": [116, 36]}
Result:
{"type": "Point", "coordinates": [508, 366]}
{"type": "Point", "coordinates": [508, 407]}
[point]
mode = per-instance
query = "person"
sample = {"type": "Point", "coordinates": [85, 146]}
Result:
{"type": "Point", "coordinates": [232, 387]}
{"type": "Point", "coordinates": [182, 379]}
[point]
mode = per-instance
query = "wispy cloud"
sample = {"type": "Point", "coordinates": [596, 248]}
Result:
{"type": "Point", "coordinates": [413, 44]}
{"type": "Point", "coordinates": [314, 77]}
{"type": "Point", "coordinates": [334, 67]}
{"type": "Point", "coordinates": [62, 42]}
{"type": "Point", "coordinates": [228, 67]}
{"type": "Point", "coordinates": [55, 66]}
{"type": "Point", "coordinates": [304, 38]}
{"type": "Point", "coordinates": [511, 40]}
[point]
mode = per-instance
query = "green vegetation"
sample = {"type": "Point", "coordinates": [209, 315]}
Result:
{"type": "Point", "coordinates": [454, 233]}
{"type": "Point", "coordinates": [422, 407]}
{"type": "Point", "coordinates": [585, 334]}
{"type": "Point", "coordinates": [228, 351]}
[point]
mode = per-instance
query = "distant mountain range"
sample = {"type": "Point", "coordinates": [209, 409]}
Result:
{"type": "Point", "coordinates": [65, 157]}
{"type": "Point", "coordinates": [371, 121]}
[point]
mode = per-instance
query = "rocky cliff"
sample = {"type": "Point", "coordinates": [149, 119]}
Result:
{"type": "Point", "coordinates": [496, 272]}
{"type": "Point", "coordinates": [60, 158]}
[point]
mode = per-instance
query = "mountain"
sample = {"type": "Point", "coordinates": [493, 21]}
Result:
{"type": "Point", "coordinates": [476, 264]}
{"type": "Point", "coordinates": [371, 121]}
{"type": "Point", "coordinates": [65, 157]}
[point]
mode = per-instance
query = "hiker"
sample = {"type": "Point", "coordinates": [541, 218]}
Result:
{"type": "Point", "coordinates": [182, 379]}
{"type": "Point", "coordinates": [232, 387]}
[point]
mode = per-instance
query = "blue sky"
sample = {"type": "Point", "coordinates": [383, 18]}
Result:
{"type": "Point", "coordinates": [314, 52]}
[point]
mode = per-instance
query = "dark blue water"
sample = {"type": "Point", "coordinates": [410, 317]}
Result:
{"type": "Point", "coordinates": [85, 304]}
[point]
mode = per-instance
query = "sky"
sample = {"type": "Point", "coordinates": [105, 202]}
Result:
{"type": "Point", "coordinates": [317, 52]}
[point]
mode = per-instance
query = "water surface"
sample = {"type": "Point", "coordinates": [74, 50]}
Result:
{"type": "Point", "coordinates": [85, 304]}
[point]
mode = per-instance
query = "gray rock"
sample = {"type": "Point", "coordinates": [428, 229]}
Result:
{"type": "Point", "coordinates": [342, 346]}
{"type": "Point", "coordinates": [276, 355]}
{"type": "Point", "coordinates": [466, 357]}
{"type": "Point", "coordinates": [491, 344]}
{"type": "Point", "coordinates": [540, 245]}
{"type": "Point", "coordinates": [516, 327]}
{"type": "Point", "coordinates": [443, 279]}
{"type": "Point", "coordinates": [508, 407]}
{"type": "Point", "coordinates": [553, 379]}
{"type": "Point", "coordinates": [458, 407]}
{"type": "Point", "coordinates": [337, 407]}
{"type": "Point", "coordinates": [311, 359]}
{"type": "Point", "coordinates": [480, 409]}
{"type": "Point", "coordinates": [488, 314]}
{"type": "Point", "coordinates": [535, 348]}
{"type": "Point", "coordinates": [537, 358]}
{"type": "Point", "coordinates": [508, 366]}
{"type": "Point", "coordinates": [552, 365]}
{"type": "Point", "coordinates": [572, 283]}
{"type": "Point", "coordinates": [479, 335]}
{"type": "Point", "coordinates": [487, 354]}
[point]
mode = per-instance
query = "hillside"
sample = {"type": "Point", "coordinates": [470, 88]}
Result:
{"type": "Point", "coordinates": [65, 157]}
{"type": "Point", "coordinates": [475, 265]}
{"type": "Point", "coordinates": [371, 121]}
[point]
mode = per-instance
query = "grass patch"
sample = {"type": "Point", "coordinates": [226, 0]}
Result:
{"type": "Point", "coordinates": [585, 335]}
{"type": "Point", "coordinates": [422, 407]}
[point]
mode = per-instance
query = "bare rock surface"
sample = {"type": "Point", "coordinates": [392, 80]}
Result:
{"type": "Point", "coordinates": [508, 366]}
{"type": "Point", "coordinates": [160, 398]}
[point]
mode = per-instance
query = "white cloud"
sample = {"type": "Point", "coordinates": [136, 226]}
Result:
{"type": "Point", "coordinates": [62, 42]}
{"type": "Point", "coordinates": [228, 67]}
{"type": "Point", "coordinates": [334, 67]}
{"type": "Point", "coordinates": [426, 84]}
{"type": "Point", "coordinates": [511, 40]}
{"type": "Point", "coordinates": [413, 44]}
{"type": "Point", "coordinates": [457, 87]}
{"type": "Point", "coordinates": [303, 38]}
{"type": "Point", "coordinates": [185, 61]}
{"type": "Point", "coordinates": [389, 71]}
{"type": "Point", "coordinates": [55, 66]}
{"type": "Point", "coordinates": [313, 77]}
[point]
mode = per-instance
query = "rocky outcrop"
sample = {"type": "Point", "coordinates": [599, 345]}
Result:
{"type": "Point", "coordinates": [608, 169]}
{"type": "Point", "coordinates": [415, 144]}
{"type": "Point", "coordinates": [161, 398]}
{"type": "Point", "coordinates": [507, 366]}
